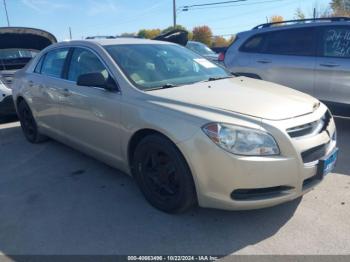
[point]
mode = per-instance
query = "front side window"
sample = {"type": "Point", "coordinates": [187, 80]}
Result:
{"type": "Point", "coordinates": [150, 66]}
{"type": "Point", "coordinates": [299, 42]}
{"type": "Point", "coordinates": [336, 42]}
{"type": "Point", "coordinates": [54, 62]}
{"type": "Point", "coordinates": [84, 62]}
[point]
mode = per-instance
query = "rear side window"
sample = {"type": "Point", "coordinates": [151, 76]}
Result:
{"type": "Point", "coordinates": [54, 62]}
{"type": "Point", "coordinates": [39, 65]}
{"type": "Point", "coordinates": [254, 44]}
{"type": "Point", "coordinates": [299, 42]}
{"type": "Point", "coordinates": [336, 42]}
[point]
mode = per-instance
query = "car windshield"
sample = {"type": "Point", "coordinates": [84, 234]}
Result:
{"type": "Point", "coordinates": [151, 66]}
{"type": "Point", "coordinates": [8, 54]}
{"type": "Point", "coordinates": [200, 48]}
{"type": "Point", "coordinates": [12, 59]}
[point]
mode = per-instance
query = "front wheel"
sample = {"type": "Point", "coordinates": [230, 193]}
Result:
{"type": "Point", "coordinates": [163, 175]}
{"type": "Point", "coordinates": [28, 124]}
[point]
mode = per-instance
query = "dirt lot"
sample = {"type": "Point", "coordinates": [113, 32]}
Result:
{"type": "Point", "coordinates": [54, 200]}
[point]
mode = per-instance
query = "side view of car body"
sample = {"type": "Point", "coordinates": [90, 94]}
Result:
{"type": "Point", "coordinates": [18, 45]}
{"type": "Point", "coordinates": [183, 127]}
{"type": "Point", "coordinates": [312, 56]}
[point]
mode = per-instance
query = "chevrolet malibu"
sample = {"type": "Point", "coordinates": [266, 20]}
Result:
{"type": "Point", "coordinates": [184, 128]}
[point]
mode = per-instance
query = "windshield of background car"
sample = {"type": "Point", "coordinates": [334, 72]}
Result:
{"type": "Point", "coordinates": [8, 54]}
{"type": "Point", "coordinates": [11, 59]}
{"type": "Point", "coordinates": [200, 48]}
{"type": "Point", "coordinates": [150, 66]}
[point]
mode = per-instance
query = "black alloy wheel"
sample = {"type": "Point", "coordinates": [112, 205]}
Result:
{"type": "Point", "coordinates": [163, 175]}
{"type": "Point", "coordinates": [28, 123]}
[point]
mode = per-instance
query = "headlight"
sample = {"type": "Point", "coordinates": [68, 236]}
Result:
{"type": "Point", "coordinates": [241, 141]}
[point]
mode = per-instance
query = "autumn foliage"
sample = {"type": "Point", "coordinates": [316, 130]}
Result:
{"type": "Point", "coordinates": [203, 34]}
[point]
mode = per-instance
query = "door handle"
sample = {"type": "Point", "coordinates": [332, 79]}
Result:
{"type": "Point", "coordinates": [264, 61]}
{"type": "Point", "coordinates": [66, 92]}
{"type": "Point", "coordinates": [329, 65]}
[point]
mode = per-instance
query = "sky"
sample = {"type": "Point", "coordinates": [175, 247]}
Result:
{"type": "Point", "coordinates": [112, 17]}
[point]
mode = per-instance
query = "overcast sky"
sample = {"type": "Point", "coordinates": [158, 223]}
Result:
{"type": "Point", "coordinates": [111, 17]}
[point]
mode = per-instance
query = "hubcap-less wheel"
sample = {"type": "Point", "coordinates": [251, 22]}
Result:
{"type": "Point", "coordinates": [163, 175]}
{"type": "Point", "coordinates": [28, 123]}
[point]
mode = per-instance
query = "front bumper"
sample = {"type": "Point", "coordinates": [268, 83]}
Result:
{"type": "Point", "coordinates": [7, 107]}
{"type": "Point", "coordinates": [232, 182]}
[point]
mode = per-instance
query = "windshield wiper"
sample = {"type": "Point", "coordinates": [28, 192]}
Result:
{"type": "Point", "coordinates": [217, 78]}
{"type": "Point", "coordinates": [168, 85]}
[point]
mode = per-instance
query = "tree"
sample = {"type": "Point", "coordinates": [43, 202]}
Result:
{"type": "Point", "coordinates": [340, 7]}
{"type": "Point", "coordinates": [203, 34]}
{"type": "Point", "coordinates": [276, 18]}
{"type": "Point", "coordinates": [219, 41]}
{"type": "Point", "coordinates": [299, 14]}
{"type": "Point", "coordinates": [170, 28]}
{"type": "Point", "coordinates": [128, 35]}
{"type": "Point", "coordinates": [148, 33]}
{"type": "Point", "coordinates": [316, 10]}
{"type": "Point", "coordinates": [231, 40]}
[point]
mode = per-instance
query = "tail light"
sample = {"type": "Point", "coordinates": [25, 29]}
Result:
{"type": "Point", "coordinates": [221, 57]}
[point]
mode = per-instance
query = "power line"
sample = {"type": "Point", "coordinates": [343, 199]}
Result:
{"type": "Point", "coordinates": [289, 2]}
{"type": "Point", "coordinates": [234, 5]}
{"type": "Point", "coordinates": [215, 3]}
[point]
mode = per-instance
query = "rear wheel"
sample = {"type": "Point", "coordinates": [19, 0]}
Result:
{"type": "Point", "coordinates": [28, 124]}
{"type": "Point", "coordinates": [163, 175]}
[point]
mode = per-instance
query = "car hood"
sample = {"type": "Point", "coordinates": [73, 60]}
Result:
{"type": "Point", "coordinates": [243, 95]}
{"type": "Point", "coordinates": [25, 38]}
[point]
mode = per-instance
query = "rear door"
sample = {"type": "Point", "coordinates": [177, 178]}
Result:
{"type": "Point", "coordinates": [333, 65]}
{"type": "Point", "coordinates": [90, 115]}
{"type": "Point", "coordinates": [45, 84]}
{"type": "Point", "coordinates": [286, 57]}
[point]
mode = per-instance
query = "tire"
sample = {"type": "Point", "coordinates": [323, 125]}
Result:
{"type": "Point", "coordinates": [163, 175]}
{"type": "Point", "coordinates": [28, 124]}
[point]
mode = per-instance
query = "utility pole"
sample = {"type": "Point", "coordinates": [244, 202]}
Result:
{"type": "Point", "coordinates": [174, 13]}
{"type": "Point", "coordinates": [314, 12]}
{"type": "Point", "coordinates": [7, 15]}
{"type": "Point", "coordinates": [70, 33]}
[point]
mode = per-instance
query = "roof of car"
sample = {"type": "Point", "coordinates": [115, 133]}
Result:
{"type": "Point", "coordinates": [312, 21]}
{"type": "Point", "coordinates": [289, 26]}
{"type": "Point", "coordinates": [123, 41]}
{"type": "Point", "coordinates": [106, 42]}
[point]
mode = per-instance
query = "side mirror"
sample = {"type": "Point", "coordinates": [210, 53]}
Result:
{"type": "Point", "coordinates": [96, 80]}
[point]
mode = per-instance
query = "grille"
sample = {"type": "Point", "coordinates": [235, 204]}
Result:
{"type": "Point", "coordinates": [312, 128]}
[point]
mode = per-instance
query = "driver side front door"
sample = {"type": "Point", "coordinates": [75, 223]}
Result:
{"type": "Point", "coordinates": [91, 115]}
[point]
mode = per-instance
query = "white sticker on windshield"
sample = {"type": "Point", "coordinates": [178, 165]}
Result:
{"type": "Point", "coordinates": [205, 63]}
